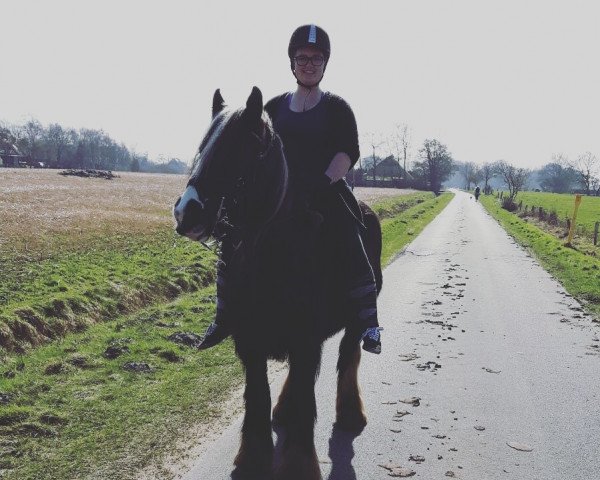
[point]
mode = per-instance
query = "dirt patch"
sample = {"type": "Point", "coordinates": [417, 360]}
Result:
{"type": "Point", "coordinates": [106, 174]}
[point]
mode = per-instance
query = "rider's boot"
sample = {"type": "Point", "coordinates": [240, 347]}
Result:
{"type": "Point", "coordinates": [218, 330]}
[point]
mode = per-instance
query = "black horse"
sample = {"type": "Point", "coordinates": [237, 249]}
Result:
{"type": "Point", "coordinates": [286, 300]}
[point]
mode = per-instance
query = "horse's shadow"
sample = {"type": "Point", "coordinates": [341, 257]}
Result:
{"type": "Point", "coordinates": [341, 453]}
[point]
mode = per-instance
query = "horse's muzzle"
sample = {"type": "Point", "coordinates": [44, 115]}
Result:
{"type": "Point", "coordinates": [195, 220]}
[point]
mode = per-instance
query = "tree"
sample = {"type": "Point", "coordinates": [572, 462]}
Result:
{"type": "Point", "coordinates": [557, 176]}
{"type": "Point", "coordinates": [588, 169]}
{"type": "Point", "coordinates": [375, 141]}
{"type": "Point", "coordinates": [135, 164]}
{"type": "Point", "coordinates": [29, 139]}
{"type": "Point", "coordinates": [596, 186]}
{"type": "Point", "coordinates": [515, 179]}
{"type": "Point", "coordinates": [57, 141]}
{"type": "Point", "coordinates": [69, 148]}
{"type": "Point", "coordinates": [7, 139]}
{"type": "Point", "coordinates": [470, 173]}
{"type": "Point", "coordinates": [400, 143]}
{"type": "Point", "coordinates": [436, 164]}
{"type": "Point", "coordinates": [488, 171]}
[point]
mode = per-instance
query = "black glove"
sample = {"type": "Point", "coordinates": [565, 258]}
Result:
{"type": "Point", "coordinates": [322, 184]}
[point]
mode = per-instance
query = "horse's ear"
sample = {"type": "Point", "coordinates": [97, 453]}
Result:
{"type": "Point", "coordinates": [254, 106]}
{"type": "Point", "coordinates": [218, 103]}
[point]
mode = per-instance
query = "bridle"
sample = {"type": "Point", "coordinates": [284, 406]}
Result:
{"type": "Point", "coordinates": [233, 203]}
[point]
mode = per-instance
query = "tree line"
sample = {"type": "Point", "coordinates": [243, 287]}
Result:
{"type": "Point", "coordinates": [560, 175]}
{"type": "Point", "coordinates": [32, 144]}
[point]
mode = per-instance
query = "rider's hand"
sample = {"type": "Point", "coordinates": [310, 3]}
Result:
{"type": "Point", "coordinates": [322, 184]}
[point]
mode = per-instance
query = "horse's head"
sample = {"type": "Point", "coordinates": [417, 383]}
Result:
{"type": "Point", "coordinates": [239, 172]}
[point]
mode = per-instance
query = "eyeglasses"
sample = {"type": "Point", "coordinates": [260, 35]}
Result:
{"type": "Point", "coordinates": [316, 60]}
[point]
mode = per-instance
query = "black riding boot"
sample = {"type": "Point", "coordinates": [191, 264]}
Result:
{"type": "Point", "coordinates": [218, 330]}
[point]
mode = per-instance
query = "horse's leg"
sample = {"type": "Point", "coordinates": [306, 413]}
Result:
{"type": "Point", "coordinates": [256, 449]}
{"type": "Point", "coordinates": [281, 411]}
{"type": "Point", "coordinates": [350, 413]}
{"type": "Point", "coordinates": [300, 460]}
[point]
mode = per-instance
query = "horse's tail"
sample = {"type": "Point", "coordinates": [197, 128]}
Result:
{"type": "Point", "coordinates": [373, 243]}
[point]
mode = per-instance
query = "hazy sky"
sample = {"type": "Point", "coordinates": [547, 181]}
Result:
{"type": "Point", "coordinates": [515, 79]}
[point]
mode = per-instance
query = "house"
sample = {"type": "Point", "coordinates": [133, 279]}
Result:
{"type": "Point", "coordinates": [385, 172]}
{"type": "Point", "coordinates": [10, 156]}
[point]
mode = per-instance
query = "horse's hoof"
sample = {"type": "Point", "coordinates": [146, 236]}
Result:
{"type": "Point", "coordinates": [298, 465]}
{"type": "Point", "coordinates": [351, 421]}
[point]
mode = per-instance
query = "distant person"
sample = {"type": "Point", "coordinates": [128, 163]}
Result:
{"type": "Point", "coordinates": [477, 192]}
{"type": "Point", "coordinates": [320, 139]}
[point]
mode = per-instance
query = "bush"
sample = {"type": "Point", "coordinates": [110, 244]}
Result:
{"type": "Point", "coordinates": [509, 204]}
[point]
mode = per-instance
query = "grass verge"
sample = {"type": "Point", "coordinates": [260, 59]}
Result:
{"type": "Point", "coordinates": [578, 273]}
{"type": "Point", "coordinates": [44, 299]}
{"type": "Point", "coordinates": [72, 413]}
{"type": "Point", "coordinates": [69, 411]}
{"type": "Point", "coordinates": [403, 228]}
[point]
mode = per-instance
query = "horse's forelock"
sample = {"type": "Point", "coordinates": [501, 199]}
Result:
{"type": "Point", "coordinates": [207, 147]}
{"type": "Point", "coordinates": [217, 133]}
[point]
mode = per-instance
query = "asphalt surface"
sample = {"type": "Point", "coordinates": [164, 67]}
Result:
{"type": "Point", "coordinates": [493, 348]}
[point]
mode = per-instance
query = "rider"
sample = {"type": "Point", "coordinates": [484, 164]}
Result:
{"type": "Point", "coordinates": [319, 134]}
{"type": "Point", "coordinates": [477, 192]}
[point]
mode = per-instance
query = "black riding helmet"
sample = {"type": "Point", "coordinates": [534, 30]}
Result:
{"type": "Point", "coordinates": [309, 36]}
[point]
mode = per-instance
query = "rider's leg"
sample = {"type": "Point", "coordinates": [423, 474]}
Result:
{"type": "Point", "coordinates": [351, 260]}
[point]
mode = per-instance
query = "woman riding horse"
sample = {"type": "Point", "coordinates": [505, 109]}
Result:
{"type": "Point", "coordinates": [320, 141]}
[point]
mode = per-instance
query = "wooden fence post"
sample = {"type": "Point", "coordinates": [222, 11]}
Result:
{"type": "Point", "coordinates": [572, 229]}
{"type": "Point", "coordinates": [596, 228]}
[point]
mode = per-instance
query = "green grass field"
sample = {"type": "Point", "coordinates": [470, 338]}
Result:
{"type": "Point", "coordinates": [67, 411]}
{"type": "Point", "coordinates": [563, 204]}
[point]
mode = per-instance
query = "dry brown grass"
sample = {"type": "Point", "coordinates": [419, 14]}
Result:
{"type": "Point", "coordinates": [42, 211]}
{"type": "Point", "coordinates": [371, 195]}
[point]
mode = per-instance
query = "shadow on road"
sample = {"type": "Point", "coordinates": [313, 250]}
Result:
{"type": "Point", "coordinates": [341, 453]}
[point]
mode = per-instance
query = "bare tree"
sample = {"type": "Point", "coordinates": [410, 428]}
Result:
{"type": "Point", "coordinates": [488, 171]}
{"type": "Point", "coordinates": [375, 141]}
{"type": "Point", "coordinates": [29, 139]}
{"type": "Point", "coordinates": [402, 143]}
{"type": "Point", "coordinates": [588, 169]}
{"type": "Point", "coordinates": [467, 170]}
{"type": "Point", "coordinates": [515, 179]}
{"type": "Point", "coordinates": [596, 186]}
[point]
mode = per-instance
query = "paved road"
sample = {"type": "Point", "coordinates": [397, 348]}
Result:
{"type": "Point", "coordinates": [495, 349]}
